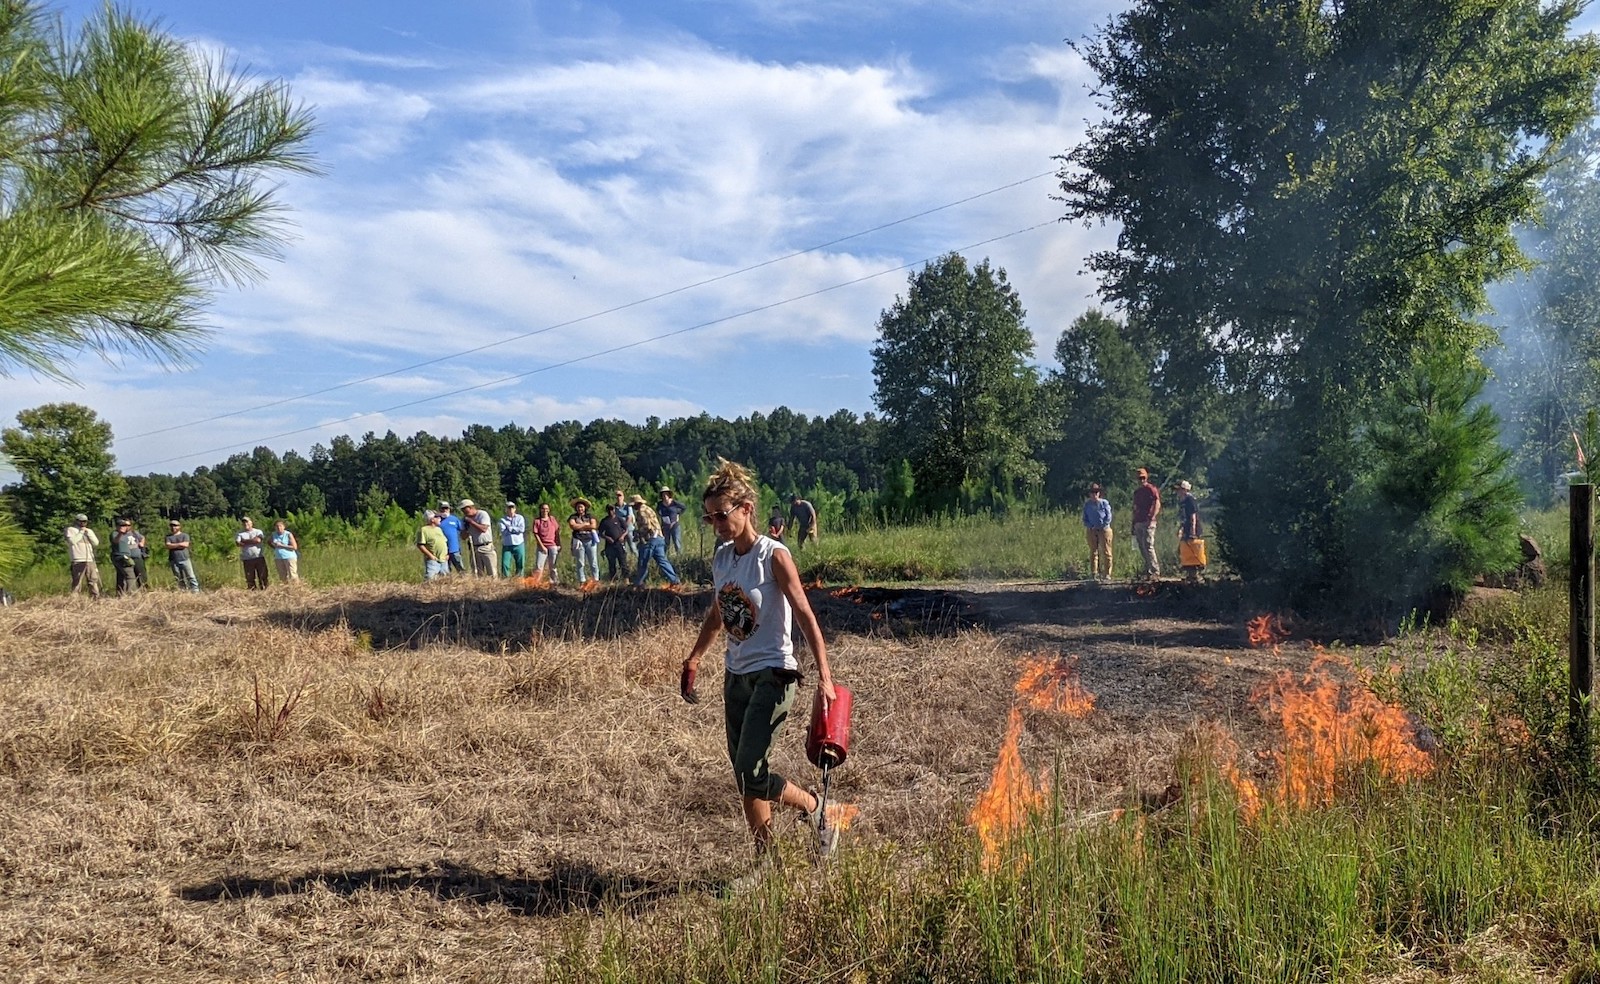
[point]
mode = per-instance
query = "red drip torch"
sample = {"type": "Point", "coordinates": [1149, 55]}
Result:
{"type": "Point", "coordinates": [828, 742]}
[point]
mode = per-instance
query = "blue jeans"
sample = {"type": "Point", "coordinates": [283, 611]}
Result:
{"type": "Point", "coordinates": [183, 570]}
{"type": "Point", "coordinates": [586, 557]}
{"type": "Point", "coordinates": [674, 535]}
{"type": "Point", "coordinates": [434, 568]}
{"type": "Point", "coordinates": [544, 559]}
{"type": "Point", "coordinates": [654, 549]}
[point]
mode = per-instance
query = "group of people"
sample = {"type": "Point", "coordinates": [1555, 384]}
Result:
{"type": "Point", "coordinates": [1146, 508]}
{"type": "Point", "coordinates": [130, 550]}
{"type": "Point", "coordinates": [630, 535]}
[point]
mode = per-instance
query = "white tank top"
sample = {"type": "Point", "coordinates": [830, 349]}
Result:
{"type": "Point", "coordinates": [756, 616]}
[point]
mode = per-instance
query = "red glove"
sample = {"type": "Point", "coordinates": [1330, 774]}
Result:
{"type": "Point", "coordinates": [686, 682]}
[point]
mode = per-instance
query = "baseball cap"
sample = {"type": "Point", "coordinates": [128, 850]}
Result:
{"type": "Point", "coordinates": [663, 491]}
{"type": "Point", "coordinates": [430, 514]}
{"type": "Point", "coordinates": [174, 522]}
{"type": "Point", "coordinates": [468, 502]}
{"type": "Point", "coordinates": [444, 504]}
{"type": "Point", "coordinates": [511, 504]}
{"type": "Point", "coordinates": [80, 518]}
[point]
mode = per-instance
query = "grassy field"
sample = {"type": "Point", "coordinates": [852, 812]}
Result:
{"type": "Point", "coordinates": [473, 781]}
{"type": "Point", "coordinates": [1044, 545]}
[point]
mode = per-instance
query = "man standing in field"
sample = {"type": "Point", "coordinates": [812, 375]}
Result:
{"type": "Point", "coordinates": [81, 542]}
{"type": "Point", "coordinates": [178, 558]}
{"type": "Point", "coordinates": [669, 510]}
{"type": "Point", "coordinates": [479, 528]}
{"type": "Point", "coordinates": [1146, 507]}
{"type": "Point", "coordinates": [431, 543]}
{"type": "Point", "coordinates": [250, 555]}
{"type": "Point", "coordinates": [513, 542]}
{"type": "Point", "coordinates": [802, 520]}
{"type": "Point", "coordinates": [452, 527]}
{"type": "Point", "coordinates": [1097, 528]}
{"type": "Point", "coordinates": [125, 547]}
{"type": "Point", "coordinates": [613, 532]}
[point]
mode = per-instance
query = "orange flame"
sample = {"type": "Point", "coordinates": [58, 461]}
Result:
{"type": "Point", "coordinates": [1266, 630]}
{"type": "Point", "coordinates": [850, 593]}
{"type": "Point", "coordinates": [817, 585]}
{"type": "Point", "coordinates": [1050, 683]}
{"type": "Point", "coordinates": [589, 585]}
{"type": "Point", "coordinates": [1047, 683]}
{"type": "Point", "coordinates": [1012, 794]}
{"type": "Point", "coordinates": [537, 581]}
{"type": "Point", "coordinates": [1330, 727]}
{"type": "Point", "coordinates": [842, 815]}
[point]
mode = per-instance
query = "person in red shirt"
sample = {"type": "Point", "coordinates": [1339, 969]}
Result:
{"type": "Point", "coordinates": [1146, 507]}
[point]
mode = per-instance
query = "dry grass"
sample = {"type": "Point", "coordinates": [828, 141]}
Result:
{"type": "Point", "coordinates": [442, 782]}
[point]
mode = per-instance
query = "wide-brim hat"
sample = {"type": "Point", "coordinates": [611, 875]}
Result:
{"type": "Point", "coordinates": [637, 499]}
{"type": "Point", "coordinates": [581, 501]}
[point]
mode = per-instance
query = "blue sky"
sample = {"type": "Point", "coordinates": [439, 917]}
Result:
{"type": "Point", "coordinates": [518, 174]}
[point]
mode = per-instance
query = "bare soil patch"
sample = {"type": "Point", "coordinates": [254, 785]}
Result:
{"type": "Point", "coordinates": [468, 773]}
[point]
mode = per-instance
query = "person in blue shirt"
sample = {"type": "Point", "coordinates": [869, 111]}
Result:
{"type": "Point", "coordinates": [513, 542]}
{"type": "Point", "coordinates": [1097, 529]}
{"type": "Point", "coordinates": [453, 527]}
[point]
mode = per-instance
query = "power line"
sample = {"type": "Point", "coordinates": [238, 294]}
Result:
{"type": "Point", "coordinates": [590, 317]}
{"type": "Point", "coordinates": [592, 355]}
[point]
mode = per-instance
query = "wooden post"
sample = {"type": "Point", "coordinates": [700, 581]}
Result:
{"type": "Point", "coordinates": [1580, 677]}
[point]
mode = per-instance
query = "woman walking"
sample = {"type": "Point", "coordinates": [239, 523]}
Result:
{"type": "Point", "coordinates": [757, 595]}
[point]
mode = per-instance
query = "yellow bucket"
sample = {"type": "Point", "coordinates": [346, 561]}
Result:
{"type": "Point", "coordinates": [1192, 553]}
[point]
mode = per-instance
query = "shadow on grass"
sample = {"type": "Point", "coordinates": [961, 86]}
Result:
{"type": "Point", "coordinates": [514, 622]}
{"type": "Point", "coordinates": [570, 887]}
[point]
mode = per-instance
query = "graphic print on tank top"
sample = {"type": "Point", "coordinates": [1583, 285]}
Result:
{"type": "Point", "coordinates": [738, 614]}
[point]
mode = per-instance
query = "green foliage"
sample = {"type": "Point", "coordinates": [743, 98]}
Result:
{"type": "Point", "coordinates": [1110, 424]}
{"type": "Point", "coordinates": [1307, 195]}
{"type": "Point", "coordinates": [138, 173]}
{"type": "Point", "coordinates": [1441, 501]}
{"type": "Point", "coordinates": [16, 549]}
{"type": "Point", "coordinates": [63, 453]}
{"type": "Point", "coordinates": [955, 385]}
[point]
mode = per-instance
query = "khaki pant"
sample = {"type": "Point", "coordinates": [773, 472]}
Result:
{"type": "Point", "coordinates": [86, 570]}
{"type": "Point", "coordinates": [288, 570]}
{"type": "Point", "coordinates": [484, 559]}
{"type": "Point", "coordinates": [1099, 551]}
{"type": "Point", "coordinates": [1144, 536]}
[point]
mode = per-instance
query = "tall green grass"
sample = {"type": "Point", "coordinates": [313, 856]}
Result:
{"type": "Point", "coordinates": [1196, 893]}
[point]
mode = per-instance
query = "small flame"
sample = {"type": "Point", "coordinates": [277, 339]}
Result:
{"type": "Point", "coordinates": [1003, 808]}
{"type": "Point", "coordinates": [850, 593]}
{"type": "Point", "coordinates": [537, 581]}
{"type": "Point", "coordinates": [842, 815]}
{"type": "Point", "coordinates": [1145, 590]}
{"type": "Point", "coordinates": [817, 585]}
{"type": "Point", "coordinates": [1266, 630]}
{"type": "Point", "coordinates": [1050, 683]}
{"type": "Point", "coordinates": [589, 585]}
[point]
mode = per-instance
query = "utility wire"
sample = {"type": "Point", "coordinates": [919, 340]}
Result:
{"type": "Point", "coordinates": [592, 355]}
{"type": "Point", "coordinates": [596, 314]}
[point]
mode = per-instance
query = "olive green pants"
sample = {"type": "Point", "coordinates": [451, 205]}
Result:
{"type": "Point", "coordinates": [754, 704]}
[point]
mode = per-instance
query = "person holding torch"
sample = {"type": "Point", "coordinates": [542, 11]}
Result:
{"type": "Point", "coordinates": [756, 599]}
